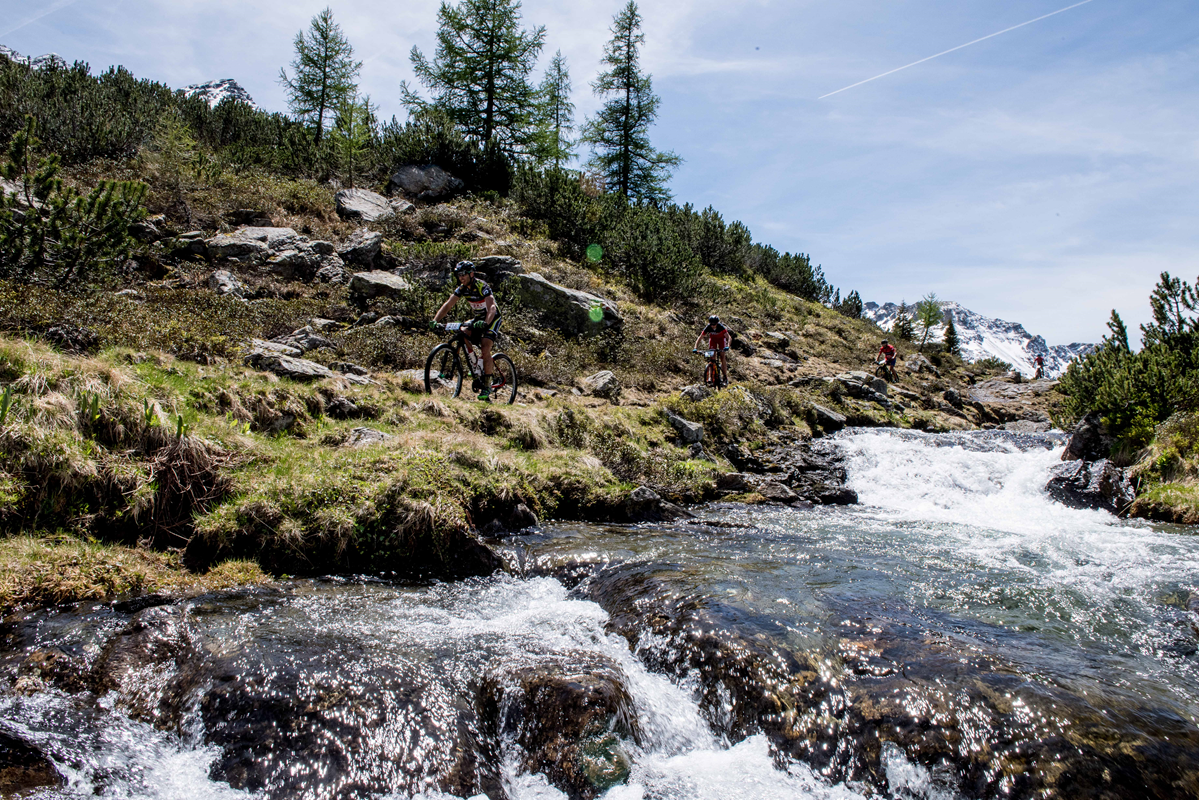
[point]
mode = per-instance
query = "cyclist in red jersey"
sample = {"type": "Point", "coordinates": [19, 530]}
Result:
{"type": "Point", "coordinates": [719, 338]}
{"type": "Point", "coordinates": [886, 356]}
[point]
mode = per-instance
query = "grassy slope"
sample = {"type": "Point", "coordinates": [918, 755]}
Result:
{"type": "Point", "coordinates": [92, 445]}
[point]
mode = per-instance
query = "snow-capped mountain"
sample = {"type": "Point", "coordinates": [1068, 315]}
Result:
{"type": "Point", "coordinates": [41, 62]}
{"type": "Point", "coordinates": [982, 337]}
{"type": "Point", "coordinates": [217, 91]}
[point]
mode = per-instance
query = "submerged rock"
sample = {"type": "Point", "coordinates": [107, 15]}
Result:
{"type": "Point", "coordinates": [1091, 484]}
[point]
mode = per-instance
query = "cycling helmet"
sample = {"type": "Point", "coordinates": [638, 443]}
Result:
{"type": "Point", "coordinates": [885, 341]}
{"type": "Point", "coordinates": [712, 320]}
{"type": "Point", "coordinates": [463, 267]}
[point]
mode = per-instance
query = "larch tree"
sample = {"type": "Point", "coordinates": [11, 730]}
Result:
{"type": "Point", "coordinates": [555, 115]}
{"type": "Point", "coordinates": [354, 128]}
{"type": "Point", "coordinates": [324, 72]}
{"type": "Point", "coordinates": [928, 316]}
{"type": "Point", "coordinates": [480, 73]}
{"type": "Point", "coordinates": [619, 133]}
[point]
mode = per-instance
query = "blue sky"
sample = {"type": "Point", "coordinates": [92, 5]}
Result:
{"type": "Point", "coordinates": [1043, 176]}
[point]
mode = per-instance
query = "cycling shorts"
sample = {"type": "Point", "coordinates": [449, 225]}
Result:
{"type": "Point", "coordinates": [491, 332]}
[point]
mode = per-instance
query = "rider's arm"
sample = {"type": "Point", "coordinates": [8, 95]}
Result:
{"type": "Point", "coordinates": [493, 310]}
{"type": "Point", "coordinates": [445, 308]}
{"type": "Point", "coordinates": [697, 340]}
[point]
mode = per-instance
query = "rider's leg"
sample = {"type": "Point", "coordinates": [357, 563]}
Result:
{"type": "Point", "coordinates": [724, 366]}
{"type": "Point", "coordinates": [488, 364]}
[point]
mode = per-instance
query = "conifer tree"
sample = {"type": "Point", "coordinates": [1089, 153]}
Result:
{"type": "Point", "coordinates": [352, 133]}
{"type": "Point", "coordinates": [480, 74]}
{"type": "Point", "coordinates": [555, 115]}
{"type": "Point", "coordinates": [619, 133]}
{"type": "Point", "coordinates": [950, 339]}
{"type": "Point", "coordinates": [325, 72]}
{"type": "Point", "coordinates": [928, 315]}
{"type": "Point", "coordinates": [902, 327]}
{"type": "Point", "coordinates": [1119, 337]}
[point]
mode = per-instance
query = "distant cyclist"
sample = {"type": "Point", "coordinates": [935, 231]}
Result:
{"type": "Point", "coordinates": [485, 328]}
{"type": "Point", "coordinates": [719, 338]}
{"type": "Point", "coordinates": [1040, 362]}
{"type": "Point", "coordinates": [886, 358]}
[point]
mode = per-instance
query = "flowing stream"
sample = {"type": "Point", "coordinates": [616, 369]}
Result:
{"type": "Point", "coordinates": [955, 634]}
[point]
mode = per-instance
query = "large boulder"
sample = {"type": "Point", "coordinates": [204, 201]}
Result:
{"type": "Point", "coordinates": [429, 182]}
{"type": "Point", "coordinates": [1089, 441]}
{"type": "Point", "coordinates": [367, 206]}
{"type": "Point", "coordinates": [645, 505]}
{"type": "Point", "coordinates": [690, 432]}
{"type": "Point", "coordinates": [828, 419]}
{"type": "Point", "coordinates": [299, 369]}
{"type": "Point", "coordinates": [498, 268]}
{"type": "Point", "coordinates": [366, 286]}
{"type": "Point", "coordinates": [570, 311]}
{"type": "Point", "coordinates": [1091, 484]}
{"type": "Point", "coordinates": [224, 282]}
{"type": "Point", "coordinates": [603, 384]}
{"type": "Point", "coordinates": [362, 247]}
{"type": "Point", "coordinates": [305, 339]}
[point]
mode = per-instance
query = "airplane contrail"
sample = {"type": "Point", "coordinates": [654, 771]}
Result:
{"type": "Point", "coordinates": [53, 7]}
{"type": "Point", "coordinates": [959, 47]}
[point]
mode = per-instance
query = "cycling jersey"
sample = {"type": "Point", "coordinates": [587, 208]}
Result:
{"type": "Point", "coordinates": [718, 336]}
{"type": "Point", "coordinates": [888, 353]}
{"type": "Point", "coordinates": [476, 293]}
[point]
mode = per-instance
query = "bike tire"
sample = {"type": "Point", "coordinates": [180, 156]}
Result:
{"type": "Point", "coordinates": [504, 383]}
{"type": "Point", "coordinates": [443, 372]}
{"type": "Point", "coordinates": [712, 376]}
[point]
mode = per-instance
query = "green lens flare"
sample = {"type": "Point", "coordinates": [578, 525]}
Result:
{"type": "Point", "coordinates": [595, 253]}
{"type": "Point", "coordinates": [596, 313]}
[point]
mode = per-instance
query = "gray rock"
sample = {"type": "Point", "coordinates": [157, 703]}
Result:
{"type": "Point", "coordinates": [342, 408]}
{"type": "Point", "coordinates": [306, 339]}
{"type": "Point", "coordinates": [366, 286]}
{"type": "Point", "coordinates": [776, 341]}
{"type": "Point", "coordinates": [145, 231]}
{"type": "Point", "coordinates": [645, 505]}
{"type": "Point", "coordinates": [277, 239]}
{"type": "Point", "coordinates": [779, 492]}
{"type": "Point", "coordinates": [363, 205]}
{"type": "Point", "coordinates": [348, 368]}
{"type": "Point", "coordinates": [918, 363]}
{"type": "Point", "coordinates": [498, 268]}
{"type": "Point", "coordinates": [286, 366]}
{"type": "Point", "coordinates": [428, 182]}
{"type": "Point", "coordinates": [954, 398]}
{"type": "Point", "coordinates": [828, 419]}
{"type": "Point", "coordinates": [275, 347]}
{"type": "Point", "coordinates": [743, 346]}
{"type": "Point", "coordinates": [334, 275]}
{"type": "Point", "coordinates": [224, 282]}
{"type": "Point", "coordinates": [132, 294]}
{"type": "Point", "coordinates": [1089, 441]}
{"type": "Point", "coordinates": [567, 310]}
{"type": "Point", "coordinates": [1027, 426]}
{"type": "Point", "coordinates": [735, 482]}
{"type": "Point", "coordinates": [1091, 484]}
{"type": "Point", "coordinates": [291, 265]}
{"type": "Point", "coordinates": [230, 247]}
{"type": "Point", "coordinates": [696, 392]}
{"type": "Point", "coordinates": [603, 384]}
{"type": "Point", "coordinates": [357, 380]}
{"type": "Point", "coordinates": [688, 431]}
{"type": "Point", "coordinates": [362, 247]}
{"type": "Point", "coordinates": [520, 518]}
{"type": "Point", "coordinates": [362, 437]}
{"type": "Point", "coordinates": [322, 325]}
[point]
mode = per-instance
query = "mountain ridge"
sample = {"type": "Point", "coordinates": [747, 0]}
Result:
{"type": "Point", "coordinates": [987, 337]}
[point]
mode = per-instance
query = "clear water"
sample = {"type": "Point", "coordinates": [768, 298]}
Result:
{"type": "Point", "coordinates": [954, 541]}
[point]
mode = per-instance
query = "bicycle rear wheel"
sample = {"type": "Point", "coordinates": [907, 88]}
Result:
{"type": "Point", "coordinates": [503, 382]}
{"type": "Point", "coordinates": [443, 372]}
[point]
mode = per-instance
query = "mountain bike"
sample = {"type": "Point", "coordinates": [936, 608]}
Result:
{"type": "Point", "coordinates": [887, 373]}
{"type": "Point", "coordinates": [712, 376]}
{"type": "Point", "coordinates": [449, 363]}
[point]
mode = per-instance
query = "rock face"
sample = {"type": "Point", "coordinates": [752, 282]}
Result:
{"type": "Point", "coordinates": [367, 206]}
{"type": "Point", "coordinates": [362, 247]}
{"type": "Point", "coordinates": [298, 369]}
{"type": "Point", "coordinates": [567, 310]}
{"type": "Point", "coordinates": [828, 420]}
{"type": "Point", "coordinates": [814, 471]}
{"type": "Point", "coordinates": [1091, 484]}
{"type": "Point", "coordinates": [429, 182]}
{"type": "Point", "coordinates": [287, 254]}
{"type": "Point", "coordinates": [498, 268]}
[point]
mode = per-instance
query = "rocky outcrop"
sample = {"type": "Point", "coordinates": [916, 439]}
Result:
{"type": "Point", "coordinates": [367, 206]}
{"type": "Point", "coordinates": [569, 311]}
{"type": "Point", "coordinates": [428, 183]}
{"type": "Point", "coordinates": [303, 340]}
{"type": "Point", "coordinates": [828, 420]}
{"type": "Point", "coordinates": [1091, 484]}
{"type": "Point", "coordinates": [298, 369]}
{"type": "Point", "coordinates": [498, 268]}
{"type": "Point", "coordinates": [287, 255]}
{"type": "Point", "coordinates": [690, 432]}
{"type": "Point", "coordinates": [814, 471]}
{"type": "Point", "coordinates": [645, 505]}
{"type": "Point", "coordinates": [361, 248]}
{"type": "Point", "coordinates": [363, 437]}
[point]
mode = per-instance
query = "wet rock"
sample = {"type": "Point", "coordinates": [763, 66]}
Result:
{"type": "Point", "coordinates": [814, 471]}
{"type": "Point", "coordinates": [518, 519]}
{"type": "Point", "coordinates": [645, 505]}
{"type": "Point", "coordinates": [1091, 484]}
{"type": "Point", "coordinates": [1089, 441]}
{"type": "Point", "coordinates": [570, 718]}
{"type": "Point", "coordinates": [365, 286]}
{"type": "Point", "coordinates": [688, 431]}
{"type": "Point", "coordinates": [224, 282]}
{"type": "Point", "coordinates": [568, 311]}
{"type": "Point", "coordinates": [24, 768]}
{"type": "Point", "coordinates": [603, 384]}
{"type": "Point", "coordinates": [362, 247]}
{"type": "Point", "coordinates": [426, 183]}
{"type": "Point", "coordinates": [1027, 426]}
{"type": "Point", "coordinates": [299, 369]}
{"type": "Point", "coordinates": [778, 492]}
{"type": "Point", "coordinates": [735, 482]}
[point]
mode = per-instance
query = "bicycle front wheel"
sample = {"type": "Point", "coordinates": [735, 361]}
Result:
{"type": "Point", "coordinates": [503, 382]}
{"type": "Point", "coordinates": [712, 375]}
{"type": "Point", "coordinates": [443, 372]}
